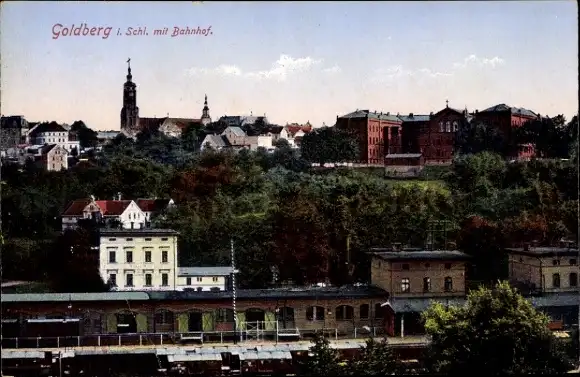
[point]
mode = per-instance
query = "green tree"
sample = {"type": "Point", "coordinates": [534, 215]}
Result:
{"type": "Point", "coordinates": [376, 359]}
{"type": "Point", "coordinates": [328, 144]}
{"type": "Point", "coordinates": [477, 136]}
{"type": "Point", "coordinates": [322, 360]}
{"type": "Point", "coordinates": [498, 332]}
{"type": "Point", "coordinates": [551, 137]}
{"type": "Point", "coordinates": [87, 137]}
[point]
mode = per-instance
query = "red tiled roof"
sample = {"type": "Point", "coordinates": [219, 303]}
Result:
{"type": "Point", "coordinates": [152, 205]}
{"type": "Point", "coordinates": [75, 208]}
{"type": "Point", "coordinates": [113, 207]}
{"type": "Point", "coordinates": [294, 128]}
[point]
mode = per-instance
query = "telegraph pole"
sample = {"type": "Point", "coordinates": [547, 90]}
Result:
{"type": "Point", "coordinates": [232, 256]}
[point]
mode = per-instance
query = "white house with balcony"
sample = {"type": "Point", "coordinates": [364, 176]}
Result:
{"type": "Point", "coordinates": [203, 279]}
{"type": "Point", "coordinates": [139, 259]}
{"type": "Point", "coordinates": [125, 213]}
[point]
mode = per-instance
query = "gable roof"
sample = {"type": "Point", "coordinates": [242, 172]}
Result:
{"type": "Point", "coordinates": [46, 148]}
{"type": "Point", "coordinates": [113, 207]}
{"type": "Point", "coordinates": [414, 118]}
{"type": "Point", "coordinates": [373, 115]}
{"type": "Point", "coordinates": [236, 130]}
{"type": "Point", "coordinates": [75, 208]}
{"type": "Point", "coordinates": [294, 128]}
{"type": "Point", "coordinates": [448, 109]}
{"type": "Point", "coordinates": [48, 127]}
{"type": "Point", "coordinates": [218, 141]}
{"type": "Point", "coordinates": [513, 110]}
{"type": "Point", "coordinates": [181, 123]}
{"type": "Point", "coordinates": [152, 205]}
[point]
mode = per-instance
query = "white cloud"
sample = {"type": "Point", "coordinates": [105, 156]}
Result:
{"type": "Point", "coordinates": [395, 72]}
{"type": "Point", "coordinates": [334, 69]}
{"type": "Point", "coordinates": [481, 62]}
{"type": "Point", "coordinates": [284, 66]}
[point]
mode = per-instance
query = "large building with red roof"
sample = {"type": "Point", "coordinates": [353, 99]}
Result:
{"type": "Point", "coordinates": [128, 214]}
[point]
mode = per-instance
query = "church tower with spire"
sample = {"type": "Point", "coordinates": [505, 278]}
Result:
{"type": "Point", "coordinates": [205, 118]}
{"type": "Point", "coordinates": [130, 111]}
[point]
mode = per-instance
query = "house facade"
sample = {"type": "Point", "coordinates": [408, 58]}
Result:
{"type": "Point", "coordinates": [414, 279]}
{"type": "Point", "coordinates": [13, 130]}
{"type": "Point", "coordinates": [52, 157]}
{"type": "Point", "coordinates": [202, 279]}
{"type": "Point", "coordinates": [139, 259]}
{"type": "Point", "coordinates": [377, 134]}
{"type": "Point", "coordinates": [505, 119]}
{"type": "Point", "coordinates": [53, 133]}
{"type": "Point", "coordinates": [125, 213]}
{"type": "Point", "coordinates": [544, 269]}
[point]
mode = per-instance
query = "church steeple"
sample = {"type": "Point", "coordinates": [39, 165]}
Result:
{"type": "Point", "coordinates": [129, 76]}
{"type": "Point", "coordinates": [130, 111]}
{"type": "Point", "coordinates": [205, 118]}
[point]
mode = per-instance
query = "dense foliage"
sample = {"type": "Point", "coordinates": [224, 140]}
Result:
{"type": "Point", "coordinates": [318, 224]}
{"type": "Point", "coordinates": [498, 332]}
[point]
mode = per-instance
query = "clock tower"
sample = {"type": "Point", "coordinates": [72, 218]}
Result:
{"type": "Point", "coordinates": [130, 111]}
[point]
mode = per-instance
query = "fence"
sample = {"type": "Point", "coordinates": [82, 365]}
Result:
{"type": "Point", "coordinates": [212, 337]}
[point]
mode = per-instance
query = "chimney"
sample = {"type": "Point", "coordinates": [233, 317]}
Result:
{"type": "Point", "coordinates": [410, 115]}
{"type": "Point", "coordinates": [92, 198]}
{"type": "Point", "coordinates": [431, 113]}
{"type": "Point", "coordinates": [118, 196]}
{"type": "Point", "coordinates": [476, 111]}
{"type": "Point", "coordinates": [388, 113]}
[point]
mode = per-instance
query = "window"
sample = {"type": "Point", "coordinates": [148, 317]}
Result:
{"type": "Point", "coordinates": [448, 126]}
{"type": "Point", "coordinates": [441, 127]}
{"type": "Point", "coordinates": [448, 286]}
{"type": "Point", "coordinates": [344, 313]}
{"type": "Point", "coordinates": [129, 239]}
{"type": "Point", "coordinates": [164, 239]}
{"type": "Point", "coordinates": [447, 266]}
{"type": "Point", "coordinates": [556, 262]}
{"type": "Point", "coordinates": [364, 311]}
{"type": "Point", "coordinates": [113, 279]}
{"type": "Point", "coordinates": [112, 257]}
{"type": "Point", "coordinates": [164, 280]}
{"type": "Point", "coordinates": [455, 126]}
{"type": "Point", "coordinates": [405, 266]}
{"type": "Point", "coordinates": [188, 281]}
{"type": "Point", "coordinates": [224, 315]}
{"type": "Point", "coordinates": [129, 255]}
{"type": "Point", "coordinates": [426, 284]}
{"type": "Point", "coordinates": [199, 279]}
{"type": "Point", "coordinates": [315, 313]}
{"type": "Point", "coordinates": [573, 279]}
{"type": "Point", "coordinates": [164, 256]}
{"type": "Point", "coordinates": [405, 285]}
{"type": "Point", "coordinates": [148, 280]}
{"type": "Point", "coordinates": [556, 280]}
{"type": "Point", "coordinates": [164, 317]}
{"type": "Point", "coordinates": [572, 262]}
{"type": "Point", "coordinates": [215, 279]}
{"type": "Point", "coordinates": [129, 280]}
{"type": "Point", "coordinates": [378, 311]}
{"type": "Point", "coordinates": [147, 239]}
{"type": "Point", "coordinates": [147, 257]}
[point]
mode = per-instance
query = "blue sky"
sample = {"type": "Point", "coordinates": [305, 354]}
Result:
{"type": "Point", "coordinates": [295, 62]}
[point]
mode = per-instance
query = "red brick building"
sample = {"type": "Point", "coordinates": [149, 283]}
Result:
{"type": "Point", "coordinates": [505, 119]}
{"type": "Point", "coordinates": [433, 135]}
{"type": "Point", "coordinates": [378, 134]}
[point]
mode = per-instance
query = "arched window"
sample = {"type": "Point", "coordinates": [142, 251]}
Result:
{"type": "Point", "coordinates": [573, 279]}
{"type": "Point", "coordinates": [448, 126]}
{"type": "Point", "coordinates": [315, 313]}
{"type": "Point", "coordinates": [441, 129]}
{"type": "Point", "coordinates": [426, 284]}
{"type": "Point", "coordinates": [364, 311]}
{"type": "Point", "coordinates": [556, 280]}
{"type": "Point", "coordinates": [344, 313]}
{"type": "Point", "coordinates": [455, 126]}
{"type": "Point", "coordinates": [448, 284]}
{"type": "Point", "coordinates": [164, 317]}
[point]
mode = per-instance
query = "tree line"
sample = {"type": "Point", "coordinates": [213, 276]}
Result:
{"type": "Point", "coordinates": [280, 211]}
